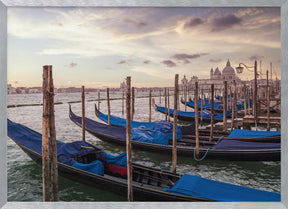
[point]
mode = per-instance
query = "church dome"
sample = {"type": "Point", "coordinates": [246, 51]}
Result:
{"type": "Point", "coordinates": [217, 71]}
{"type": "Point", "coordinates": [228, 69]}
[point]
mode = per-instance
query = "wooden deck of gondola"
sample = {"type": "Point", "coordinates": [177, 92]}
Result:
{"type": "Point", "coordinates": [249, 121]}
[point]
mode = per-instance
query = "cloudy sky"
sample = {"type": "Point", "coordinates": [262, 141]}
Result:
{"type": "Point", "coordinates": [99, 47]}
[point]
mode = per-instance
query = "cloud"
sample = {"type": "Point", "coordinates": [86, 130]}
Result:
{"type": "Point", "coordinates": [169, 63]}
{"type": "Point", "coordinates": [256, 57]}
{"type": "Point", "coordinates": [137, 24]}
{"type": "Point", "coordinates": [122, 62]}
{"type": "Point", "coordinates": [71, 65]}
{"type": "Point", "coordinates": [225, 22]}
{"type": "Point", "coordinates": [215, 60]}
{"type": "Point", "coordinates": [193, 22]}
{"type": "Point", "coordinates": [186, 57]}
{"type": "Point", "coordinates": [146, 62]}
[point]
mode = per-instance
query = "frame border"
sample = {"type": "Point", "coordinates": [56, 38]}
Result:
{"type": "Point", "coordinates": [4, 4]}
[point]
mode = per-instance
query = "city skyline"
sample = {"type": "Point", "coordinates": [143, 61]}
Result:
{"type": "Point", "coordinates": [99, 47]}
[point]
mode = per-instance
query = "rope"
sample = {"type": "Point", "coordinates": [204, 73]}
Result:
{"type": "Point", "coordinates": [198, 160]}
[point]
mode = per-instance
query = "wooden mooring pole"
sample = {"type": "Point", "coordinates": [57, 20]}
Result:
{"type": "Point", "coordinates": [45, 137]}
{"type": "Point", "coordinates": [108, 106]}
{"type": "Point", "coordinates": [128, 140]}
{"type": "Point", "coordinates": [225, 106]}
{"type": "Point", "coordinates": [133, 103]}
{"type": "Point", "coordinates": [168, 104]}
{"type": "Point", "coordinates": [202, 101]}
{"type": "Point", "coordinates": [212, 112]}
{"type": "Point", "coordinates": [53, 145]}
{"type": "Point", "coordinates": [233, 106]}
{"type": "Point", "coordinates": [99, 99]}
{"type": "Point", "coordinates": [245, 99]}
{"type": "Point", "coordinates": [150, 104]}
{"type": "Point", "coordinates": [123, 103]}
{"type": "Point", "coordinates": [174, 149]}
{"type": "Point", "coordinates": [268, 101]}
{"type": "Point", "coordinates": [165, 98]}
{"type": "Point", "coordinates": [196, 119]}
{"type": "Point", "coordinates": [83, 112]}
{"type": "Point", "coordinates": [160, 96]}
{"type": "Point", "coordinates": [48, 129]}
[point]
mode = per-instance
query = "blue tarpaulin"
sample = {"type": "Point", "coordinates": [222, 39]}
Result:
{"type": "Point", "coordinates": [219, 191]}
{"type": "Point", "coordinates": [150, 136]}
{"type": "Point", "coordinates": [242, 133]}
{"type": "Point", "coordinates": [66, 152]}
{"type": "Point", "coordinates": [117, 121]}
{"type": "Point", "coordinates": [229, 144]}
{"type": "Point", "coordinates": [206, 113]}
{"type": "Point", "coordinates": [162, 126]}
{"type": "Point", "coordinates": [120, 132]}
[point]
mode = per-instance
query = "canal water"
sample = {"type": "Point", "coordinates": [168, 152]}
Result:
{"type": "Point", "coordinates": [24, 176]}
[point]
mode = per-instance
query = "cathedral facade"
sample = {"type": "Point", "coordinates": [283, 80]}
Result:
{"type": "Point", "coordinates": [216, 77]}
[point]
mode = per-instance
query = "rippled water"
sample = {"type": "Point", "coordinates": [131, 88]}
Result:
{"type": "Point", "coordinates": [24, 176]}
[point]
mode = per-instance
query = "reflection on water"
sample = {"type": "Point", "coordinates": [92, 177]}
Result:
{"type": "Point", "coordinates": [24, 176]}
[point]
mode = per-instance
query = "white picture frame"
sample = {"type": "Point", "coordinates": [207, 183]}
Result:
{"type": "Point", "coordinates": [5, 4]}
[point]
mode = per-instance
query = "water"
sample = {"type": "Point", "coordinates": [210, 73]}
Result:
{"type": "Point", "coordinates": [24, 176]}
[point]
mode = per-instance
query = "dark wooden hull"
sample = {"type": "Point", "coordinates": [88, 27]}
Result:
{"type": "Point", "coordinates": [235, 155]}
{"type": "Point", "coordinates": [227, 155]}
{"type": "Point", "coordinates": [113, 184]}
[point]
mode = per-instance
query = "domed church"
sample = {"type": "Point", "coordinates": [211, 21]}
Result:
{"type": "Point", "coordinates": [228, 74]}
{"type": "Point", "coordinates": [216, 77]}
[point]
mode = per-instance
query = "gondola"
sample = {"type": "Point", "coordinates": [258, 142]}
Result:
{"type": "Point", "coordinates": [188, 131]}
{"type": "Point", "coordinates": [190, 116]}
{"type": "Point", "coordinates": [218, 108]}
{"type": "Point", "coordinates": [85, 163]}
{"type": "Point", "coordinates": [161, 143]}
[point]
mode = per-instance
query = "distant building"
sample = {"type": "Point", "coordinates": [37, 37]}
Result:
{"type": "Point", "coordinates": [11, 90]}
{"type": "Point", "coordinates": [216, 77]}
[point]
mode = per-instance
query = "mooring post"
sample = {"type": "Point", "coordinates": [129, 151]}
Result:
{"type": "Point", "coordinates": [233, 106]}
{"type": "Point", "coordinates": [45, 136]}
{"type": "Point", "coordinates": [99, 99]}
{"type": "Point", "coordinates": [196, 119]}
{"type": "Point", "coordinates": [225, 106]}
{"type": "Point", "coordinates": [150, 104]}
{"type": "Point", "coordinates": [128, 140]}
{"type": "Point", "coordinates": [108, 105]}
{"type": "Point", "coordinates": [202, 101]}
{"type": "Point", "coordinates": [212, 112]}
{"type": "Point", "coordinates": [168, 104]}
{"type": "Point", "coordinates": [245, 100]}
{"type": "Point", "coordinates": [83, 112]}
{"type": "Point", "coordinates": [165, 95]}
{"type": "Point", "coordinates": [133, 103]}
{"type": "Point", "coordinates": [185, 97]}
{"type": "Point", "coordinates": [123, 102]}
{"type": "Point", "coordinates": [174, 151]}
{"type": "Point", "coordinates": [160, 96]}
{"type": "Point", "coordinates": [53, 145]}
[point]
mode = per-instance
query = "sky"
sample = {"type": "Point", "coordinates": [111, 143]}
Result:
{"type": "Point", "coordinates": [100, 47]}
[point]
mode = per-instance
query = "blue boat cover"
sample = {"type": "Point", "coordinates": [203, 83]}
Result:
{"type": "Point", "coordinates": [151, 136]}
{"type": "Point", "coordinates": [65, 151]}
{"type": "Point", "coordinates": [219, 191]}
{"type": "Point", "coordinates": [140, 135]}
{"type": "Point", "coordinates": [206, 113]}
{"type": "Point", "coordinates": [242, 133]}
{"type": "Point", "coordinates": [117, 121]}
{"type": "Point", "coordinates": [162, 126]}
{"type": "Point", "coordinates": [228, 144]}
